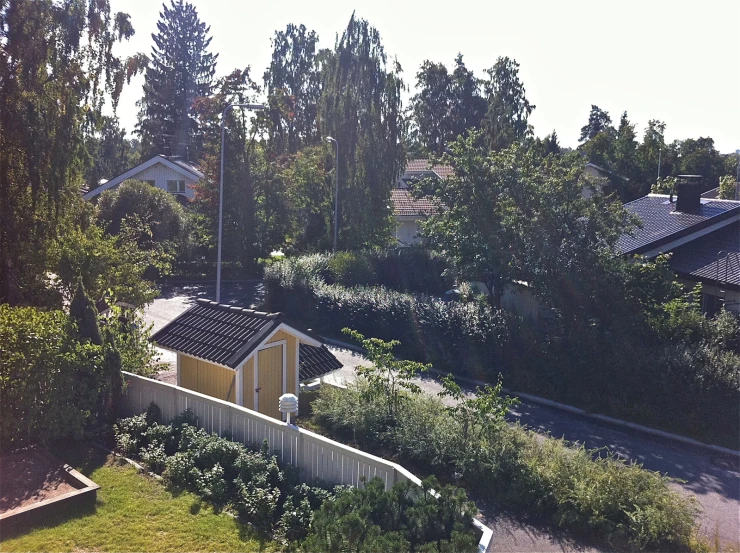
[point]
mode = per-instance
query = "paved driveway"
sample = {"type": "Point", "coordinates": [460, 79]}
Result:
{"type": "Point", "coordinates": [712, 478]}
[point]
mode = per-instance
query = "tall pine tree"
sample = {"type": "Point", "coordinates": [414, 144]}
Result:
{"type": "Point", "coordinates": [360, 107]}
{"type": "Point", "coordinates": [181, 70]}
{"type": "Point", "coordinates": [506, 121]}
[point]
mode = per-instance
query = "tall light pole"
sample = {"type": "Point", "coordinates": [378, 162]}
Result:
{"type": "Point", "coordinates": [253, 107]}
{"type": "Point", "coordinates": [336, 190]}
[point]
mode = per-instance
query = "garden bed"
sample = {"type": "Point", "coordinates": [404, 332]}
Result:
{"type": "Point", "coordinates": [37, 485]}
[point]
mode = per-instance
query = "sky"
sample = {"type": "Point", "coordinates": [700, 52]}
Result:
{"type": "Point", "coordinates": [676, 61]}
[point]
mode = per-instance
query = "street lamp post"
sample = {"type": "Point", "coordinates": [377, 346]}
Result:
{"type": "Point", "coordinates": [336, 190]}
{"type": "Point", "coordinates": [253, 107]}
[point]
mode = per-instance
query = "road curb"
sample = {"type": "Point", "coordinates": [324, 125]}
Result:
{"type": "Point", "coordinates": [575, 410]}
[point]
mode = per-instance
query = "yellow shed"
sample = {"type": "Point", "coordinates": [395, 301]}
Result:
{"type": "Point", "coordinates": [243, 356]}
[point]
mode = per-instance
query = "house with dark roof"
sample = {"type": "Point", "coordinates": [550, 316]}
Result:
{"type": "Point", "coordinates": [247, 357]}
{"type": "Point", "coordinates": [170, 173]}
{"type": "Point", "coordinates": [701, 234]}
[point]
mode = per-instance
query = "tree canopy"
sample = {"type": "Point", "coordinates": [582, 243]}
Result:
{"type": "Point", "coordinates": [360, 108]}
{"type": "Point", "coordinates": [180, 71]}
{"type": "Point", "coordinates": [507, 117]}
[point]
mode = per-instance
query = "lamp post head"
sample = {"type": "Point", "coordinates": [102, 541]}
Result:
{"type": "Point", "coordinates": [330, 139]}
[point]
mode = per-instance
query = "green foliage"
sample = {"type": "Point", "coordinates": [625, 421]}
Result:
{"type": "Point", "coordinates": [57, 71]}
{"type": "Point", "coordinates": [446, 105]}
{"type": "Point", "coordinates": [664, 185]}
{"type": "Point", "coordinates": [181, 70]}
{"type": "Point", "coordinates": [400, 520]}
{"type": "Point", "coordinates": [727, 188]}
{"type": "Point", "coordinates": [598, 122]}
{"type": "Point", "coordinates": [351, 269]}
{"type": "Point", "coordinates": [387, 377]}
{"type": "Point", "coordinates": [506, 121]}
{"type": "Point", "coordinates": [109, 151]}
{"type": "Point", "coordinates": [466, 338]}
{"type": "Point", "coordinates": [161, 216]}
{"type": "Point", "coordinates": [109, 266]}
{"type": "Point", "coordinates": [225, 473]}
{"type": "Point", "coordinates": [52, 385]}
{"type": "Point", "coordinates": [511, 216]}
{"type": "Point", "coordinates": [83, 312]}
{"type": "Point", "coordinates": [293, 84]}
{"type": "Point", "coordinates": [126, 330]}
{"type": "Point", "coordinates": [360, 107]}
{"type": "Point", "coordinates": [620, 505]}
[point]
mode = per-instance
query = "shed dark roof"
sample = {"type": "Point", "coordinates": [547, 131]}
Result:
{"type": "Point", "coordinates": [661, 223]}
{"type": "Point", "coordinates": [226, 335]}
{"type": "Point", "coordinates": [405, 205]}
{"type": "Point", "coordinates": [316, 362]}
{"type": "Point", "coordinates": [222, 334]}
{"type": "Point", "coordinates": [701, 258]}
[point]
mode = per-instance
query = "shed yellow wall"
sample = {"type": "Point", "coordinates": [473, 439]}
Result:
{"type": "Point", "coordinates": [207, 378]}
{"type": "Point", "coordinates": [249, 383]}
{"type": "Point", "coordinates": [290, 358]}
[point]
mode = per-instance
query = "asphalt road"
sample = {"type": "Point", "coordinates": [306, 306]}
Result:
{"type": "Point", "coordinates": [712, 478]}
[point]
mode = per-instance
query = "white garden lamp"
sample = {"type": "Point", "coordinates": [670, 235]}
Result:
{"type": "Point", "coordinates": [288, 404]}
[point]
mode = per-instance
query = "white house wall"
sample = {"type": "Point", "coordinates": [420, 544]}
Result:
{"type": "Point", "coordinates": [407, 232]}
{"type": "Point", "coordinates": [160, 174]}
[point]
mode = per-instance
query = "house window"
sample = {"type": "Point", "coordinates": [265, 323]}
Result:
{"type": "Point", "coordinates": [151, 182]}
{"type": "Point", "coordinates": [176, 186]}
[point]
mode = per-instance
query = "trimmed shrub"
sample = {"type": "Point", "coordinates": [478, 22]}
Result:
{"type": "Point", "coordinates": [465, 338]}
{"type": "Point", "coordinates": [351, 269]}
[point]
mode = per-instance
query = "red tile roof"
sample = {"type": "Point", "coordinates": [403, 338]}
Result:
{"type": "Point", "coordinates": [404, 205]}
{"type": "Point", "coordinates": [422, 166]}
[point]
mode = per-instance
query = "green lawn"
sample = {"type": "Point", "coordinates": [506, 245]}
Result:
{"type": "Point", "coordinates": [134, 513]}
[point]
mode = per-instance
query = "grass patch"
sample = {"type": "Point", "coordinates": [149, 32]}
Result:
{"type": "Point", "coordinates": [134, 513]}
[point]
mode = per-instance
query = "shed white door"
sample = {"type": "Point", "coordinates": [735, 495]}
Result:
{"type": "Point", "coordinates": [270, 369]}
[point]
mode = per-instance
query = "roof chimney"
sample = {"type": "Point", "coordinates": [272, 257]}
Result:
{"type": "Point", "coordinates": [688, 193]}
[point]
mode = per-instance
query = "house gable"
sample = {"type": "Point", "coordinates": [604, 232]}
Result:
{"type": "Point", "coordinates": [157, 170]}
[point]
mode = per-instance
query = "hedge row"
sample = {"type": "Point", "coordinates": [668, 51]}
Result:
{"type": "Point", "coordinates": [465, 338]}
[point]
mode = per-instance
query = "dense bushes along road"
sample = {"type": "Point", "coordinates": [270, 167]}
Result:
{"type": "Point", "coordinates": [668, 368]}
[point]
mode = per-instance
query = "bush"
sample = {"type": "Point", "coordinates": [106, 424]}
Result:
{"type": "Point", "coordinates": [351, 269]}
{"type": "Point", "coordinates": [465, 338]}
{"type": "Point", "coordinates": [620, 504]}
{"type": "Point", "coordinates": [405, 519]}
{"type": "Point", "coordinates": [268, 496]}
{"type": "Point", "coordinates": [54, 384]}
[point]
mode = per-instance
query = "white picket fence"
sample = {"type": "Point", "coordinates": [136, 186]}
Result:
{"type": "Point", "coordinates": [317, 457]}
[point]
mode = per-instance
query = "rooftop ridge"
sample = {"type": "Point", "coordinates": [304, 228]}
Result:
{"type": "Point", "coordinates": [239, 309]}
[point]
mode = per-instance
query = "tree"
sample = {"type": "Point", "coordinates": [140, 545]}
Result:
{"type": "Point", "coordinates": [56, 71]}
{"type": "Point", "coordinates": [109, 152]}
{"type": "Point", "coordinates": [181, 70]}
{"type": "Point", "coordinates": [509, 215]}
{"type": "Point", "coordinates": [431, 106]}
{"type": "Point", "coordinates": [506, 120]}
{"type": "Point", "coordinates": [360, 107]}
{"type": "Point", "coordinates": [240, 241]}
{"type": "Point", "coordinates": [468, 106]}
{"type": "Point", "coordinates": [83, 312]}
{"type": "Point", "coordinates": [552, 146]}
{"type": "Point", "coordinates": [293, 85]}
{"type": "Point", "coordinates": [699, 157]}
{"type": "Point", "coordinates": [598, 121]}
{"type": "Point", "coordinates": [727, 188]}
{"type": "Point", "coordinates": [163, 218]}
{"type": "Point", "coordinates": [446, 105]}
